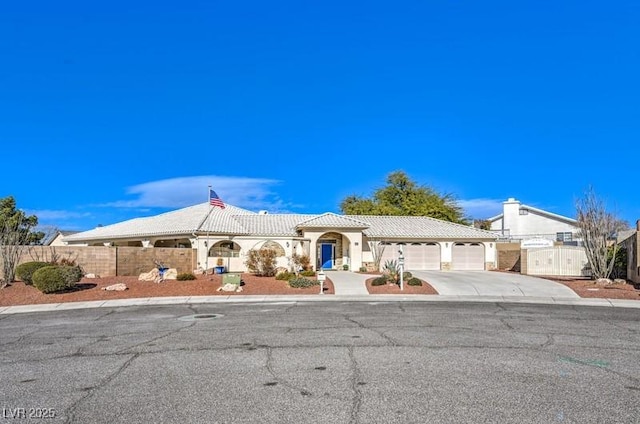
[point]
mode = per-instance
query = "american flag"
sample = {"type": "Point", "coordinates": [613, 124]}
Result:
{"type": "Point", "coordinates": [214, 200]}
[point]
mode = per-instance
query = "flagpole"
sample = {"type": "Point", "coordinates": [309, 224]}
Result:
{"type": "Point", "coordinates": [206, 260]}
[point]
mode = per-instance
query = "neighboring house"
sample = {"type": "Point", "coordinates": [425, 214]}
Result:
{"type": "Point", "coordinates": [330, 240]}
{"type": "Point", "coordinates": [56, 239]}
{"type": "Point", "coordinates": [533, 227]}
{"type": "Point", "coordinates": [630, 240]}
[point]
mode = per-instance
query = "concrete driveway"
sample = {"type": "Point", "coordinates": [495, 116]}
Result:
{"type": "Point", "coordinates": [492, 283]}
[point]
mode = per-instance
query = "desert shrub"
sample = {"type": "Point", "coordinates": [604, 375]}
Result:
{"type": "Point", "coordinates": [262, 262]}
{"type": "Point", "coordinates": [51, 279]}
{"type": "Point", "coordinates": [72, 274]}
{"type": "Point", "coordinates": [25, 271]}
{"type": "Point", "coordinates": [379, 281]}
{"type": "Point", "coordinates": [66, 262]}
{"type": "Point", "coordinates": [301, 282]}
{"type": "Point", "coordinates": [284, 275]}
{"type": "Point", "coordinates": [363, 269]}
{"type": "Point", "coordinates": [308, 273]}
{"type": "Point", "coordinates": [413, 281]}
{"type": "Point", "coordinates": [185, 276]}
{"type": "Point", "coordinates": [345, 267]}
{"type": "Point", "coordinates": [407, 275]}
{"type": "Point", "coordinates": [301, 261]}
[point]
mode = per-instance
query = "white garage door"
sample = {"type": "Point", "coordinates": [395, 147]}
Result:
{"type": "Point", "coordinates": [422, 256]}
{"type": "Point", "coordinates": [468, 257]}
{"type": "Point", "coordinates": [417, 256]}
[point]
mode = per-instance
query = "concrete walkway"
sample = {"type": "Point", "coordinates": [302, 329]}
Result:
{"type": "Point", "coordinates": [347, 283]}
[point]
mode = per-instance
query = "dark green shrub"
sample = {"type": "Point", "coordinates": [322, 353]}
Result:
{"type": "Point", "coordinates": [284, 275]}
{"type": "Point", "coordinates": [51, 279]}
{"type": "Point", "coordinates": [25, 271]}
{"type": "Point", "coordinates": [413, 281]}
{"type": "Point", "coordinates": [345, 267]}
{"type": "Point", "coordinates": [363, 269]}
{"type": "Point", "coordinates": [72, 274]}
{"type": "Point", "coordinates": [308, 273]}
{"type": "Point", "coordinates": [185, 276]}
{"type": "Point", "coordinates": [301, 282]}
{"type": "Point", "coordinates": [379, 281]}
{"type": "Point", "coordinates": [407, 275]}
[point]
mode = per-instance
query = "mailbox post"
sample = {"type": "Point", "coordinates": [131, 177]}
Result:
{"type": "Point", "coordinates": [321, 278]}
{"type": "Point", "coordinates": [401, 265]}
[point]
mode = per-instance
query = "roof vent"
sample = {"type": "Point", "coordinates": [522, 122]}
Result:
{"type": "Point", "coordinates": [263, 212]}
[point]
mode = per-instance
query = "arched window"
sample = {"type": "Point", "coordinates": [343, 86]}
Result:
{"type": "Point", "coordinates": [225, 249]}
{"type": "Point", "coordinates": [275, 246]}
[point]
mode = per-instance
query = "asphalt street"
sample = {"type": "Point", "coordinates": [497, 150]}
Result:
{"type": "Point", "coordinates": [322, 362]}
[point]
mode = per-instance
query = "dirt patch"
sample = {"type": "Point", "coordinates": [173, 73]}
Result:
{"type": "Point", "coordinates": [425, 288]}
{"type": "Point", "coordinates": [589, 289]}
{"type": "Point", "coordinates": [89, 289]}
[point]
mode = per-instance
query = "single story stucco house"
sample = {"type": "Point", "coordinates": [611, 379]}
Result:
{"type": "Point", "coordinates": [330, 240]}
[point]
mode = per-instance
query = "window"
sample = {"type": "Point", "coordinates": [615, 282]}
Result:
{"type": "Point", "coordinates": [564, 236]}
{"type": "Point", "coordinates": [524, 211]}
{"type": "Point", "coordinates": [225, 249]}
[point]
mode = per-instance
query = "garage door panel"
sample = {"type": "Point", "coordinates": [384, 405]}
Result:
{"type": "Point", "coordinates": [467, 257]}
{"type": "Point", "coordinates": [422, 256]}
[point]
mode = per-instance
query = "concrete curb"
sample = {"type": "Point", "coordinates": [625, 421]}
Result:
{"type": "Point", "coordinates": [374, 298]}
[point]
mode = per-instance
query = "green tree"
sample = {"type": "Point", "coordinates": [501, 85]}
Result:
{"type": "Point", "coordinates": [16, 232]}
{"type": "Point", "coordinates": [401, 196]}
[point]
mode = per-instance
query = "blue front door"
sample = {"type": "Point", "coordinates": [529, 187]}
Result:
{"type": "Point", "coordinates": [326, 256]}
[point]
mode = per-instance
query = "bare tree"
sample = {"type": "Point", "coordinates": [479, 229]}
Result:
{"type": "Point", "coordinates": [12, 246]}
{"type": "Point", "coordinates": [598, 229]}
{"type": "Point", "coordinates": [377, 250]}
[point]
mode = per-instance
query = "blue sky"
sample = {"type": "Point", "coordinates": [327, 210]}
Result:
{"type": "Point", "coordinates": [124, 109]}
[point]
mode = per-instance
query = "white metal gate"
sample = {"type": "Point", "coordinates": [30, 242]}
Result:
{"type": "Point", "coordinates": [558, 260]}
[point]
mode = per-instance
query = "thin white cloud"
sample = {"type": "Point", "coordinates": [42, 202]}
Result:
{"type": "Point", "coordinates": [481, 208]}
{"type": "Point", "coordinates": [244, 192]}
{"type": "Point", "coordinates": [52, 215]}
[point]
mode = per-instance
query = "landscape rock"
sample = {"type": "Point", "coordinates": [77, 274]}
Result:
{"type": "Point", "coordinates": [91, 275]}
{"type": "Point", "coordinates": [149, 276]}
{"type": "Point", "coordinates": [116, 287]}
{"type": "Point", "coordinates": [603, 281]}
{"type": "Point", "coordinates": [230, 288]}
{"type": "Point", "coordinates": [619, 281]}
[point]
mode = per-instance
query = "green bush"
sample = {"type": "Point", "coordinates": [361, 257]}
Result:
{"type": "Point", "coordinates": [407, 275]}
{"type": "Point", "coordinates": [345, 267]}
{"type": "Point", "coordinates": [363, 269]}
{"type": "Point", "coordinates": [25, 271]}
{"type": "Point", "coordinates": [51, 279]}
{"type": "Point", "coordinates": [308, 273]}
{"type": "Point", "coordinates": [72, 274]}
{"type": "Point", "coordinates": [284, 275]}
{"type": "Point", "coordinates": [185, 276]}
{"type": "Point", "coordinates": [301, 282]}
{"type": "Point", "coordinates": [379, 281]}
{"type": "Point", "coordinates": [413, 281]}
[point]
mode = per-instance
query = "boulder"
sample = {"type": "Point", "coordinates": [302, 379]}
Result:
{"type": "Point", "coordinates": [230, 288]}
{"type": "Point", "coordinates": [116, 287]}
{"type": "Point", "coordinates": [152, 275]}
{"type": "Point", "coordinates": [171, 274]}
{"type": "Point", "coordinates": [603, 281]}
{"type": "Point", "coordinates": [91, 275]}
{"type": "Point", "coordinates": [619, 281]}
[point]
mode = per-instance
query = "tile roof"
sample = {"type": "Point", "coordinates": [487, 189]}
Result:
{"type": "Point", "coordinates": [332, 220]}
{"type": "Point", "coordinates": [419, 227]}
{"type": "Point", "coordinates": [187, 220]}
{"type": "Point", "coordinates": [237, 221]}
